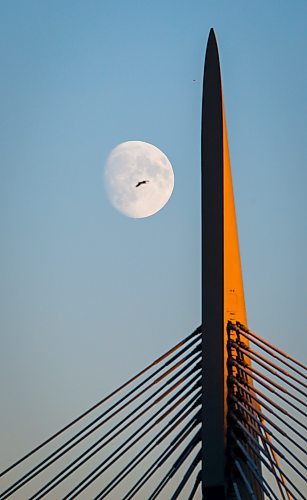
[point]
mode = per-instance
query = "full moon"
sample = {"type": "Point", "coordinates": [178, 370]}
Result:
{"type": "Point", "coordinates": [139, 179]}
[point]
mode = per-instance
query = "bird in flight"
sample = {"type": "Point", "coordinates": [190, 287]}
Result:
{"type": "Point", "coordinates": [140, 183]}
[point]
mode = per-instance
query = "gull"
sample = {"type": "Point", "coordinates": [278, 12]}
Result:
{"type": "Point", "coordinates": [140, 182]}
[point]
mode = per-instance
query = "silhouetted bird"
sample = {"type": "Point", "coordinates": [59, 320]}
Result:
{"type": "Point", "coordinates": [141, 182]}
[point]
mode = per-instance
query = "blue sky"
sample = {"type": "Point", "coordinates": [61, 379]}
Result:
{"type": "Point", "coordinates": [89, 296]}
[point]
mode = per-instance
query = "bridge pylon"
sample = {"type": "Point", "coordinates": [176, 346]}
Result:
{"type": "Point", "coordinates": [222, 283]}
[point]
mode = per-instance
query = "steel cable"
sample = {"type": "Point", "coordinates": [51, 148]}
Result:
{"type": "Point", "coordinates": [272, 456]}
{"type": "Point", "coordinates": [268, 351]}
{"type": "Point", "coordinates": [267, 465]}
{"type": "Point", "coordinates": [176, 465]}
{"type": "Point", "coordinates": [257, 357]}
{"type": "Point", "coordinates": [166, 454]}
{"type": "Point", "coordinates": [191, 424]}
{"type": "Point", "coordinates": [246, 482]}
{"type": "Point", "coordinates": [186, 476]}
{"type": "Point", "coordinates": [250, 438]}
{"type": "Point", "coordinates": [57, 479]}
{"type": "Point", "coordinates": [195, 486]}
{"type": "Point", "coordinates": [99, 403]}
{"type": "Point", "coordinates": [43, 465]}
{"type": "Point", "coordinates": [252, 467]}
{"type": "Point", "coordinates": [270, 432]}
{"type": "Point", "coordinates": [256, 375]}
{"type": "Point", "coordinates": [279, 453]}
{"type": "Point", "coordinates": [265, 342]}
{"type": "Point", "coordinates": [30, 474]}
{"type": "Point", "coordinates": [91, 477]}
{"type": "Point", "coordinates": [252, 389]}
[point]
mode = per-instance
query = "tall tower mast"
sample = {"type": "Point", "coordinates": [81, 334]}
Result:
{"type": "Point", "coordinates": [222, 284]}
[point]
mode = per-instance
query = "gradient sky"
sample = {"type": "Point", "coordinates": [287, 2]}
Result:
{"type": "Point", "coordinates": [89, 296]}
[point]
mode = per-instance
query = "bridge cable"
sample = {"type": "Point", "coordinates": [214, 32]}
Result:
{"type": "Point", "coordinates": [268, 466]}
{"type": "Point", "coordinates": [238, 422]}
{"type": "Point", "coordinates": [195, 486]}
{"type": "Point", "coordinates": [265, 428]}
{"type": "Point", "coordinates": [265, 342]}
{"type": "Point", "coordinates": [166, 454]}
{"type": "Point", "coordinates": [122, 422]}
{"type": "Point", "coordinates": [151, 446]}
{"type": "Point", "coordinates": [268, 351]}
{"type": "Point", "coordinates": [258, 376]}
{"type": "Point", "coordinates": [251, 439]}
{"type": "Point", "coordinates": [187, 476]}
{"type": "Point", "coordinates": [176, 465]}
{"type": "Point", "coordinates": [271, 422]}
{"type": "Point", "coordinates": [194, 334]}
{"type": "Point", "coordinates": [42, 465]}
{"type": "Point", "coordinates": [91, 477]}
{"type": "Point", "coordinates": [258, 359]}
{"type": "Point", "coordinates": [252, 467]}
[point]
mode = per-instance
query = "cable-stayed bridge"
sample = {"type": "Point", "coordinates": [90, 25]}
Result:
{"type": "Point", "coordinates": [222, 414]}
{"type": "Point", "coordinates": [144, 440]}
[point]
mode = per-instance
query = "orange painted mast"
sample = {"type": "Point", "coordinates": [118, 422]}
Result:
{"type": "Point", "coordinates": [222, 283]}
{"type": "Point", "coordinates": [234, 302]}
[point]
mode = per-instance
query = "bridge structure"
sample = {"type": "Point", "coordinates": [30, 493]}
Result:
{"type": "Point", "coordinates": [221, 415]}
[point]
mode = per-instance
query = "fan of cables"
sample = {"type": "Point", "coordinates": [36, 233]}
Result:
{"type": "Point", "coordinates": [143, 438]}
{"type": "Point", "coordinates": [266, 417]}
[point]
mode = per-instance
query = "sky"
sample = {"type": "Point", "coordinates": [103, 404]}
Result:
{"type": "Point", "coordinates": [89, 296]}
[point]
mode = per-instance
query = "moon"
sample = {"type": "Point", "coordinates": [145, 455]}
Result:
{"type": "Point", "coordinates": [139, 179]}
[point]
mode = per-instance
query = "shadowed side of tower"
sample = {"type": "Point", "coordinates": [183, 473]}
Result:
{"type": "Point", "coordinates": [213, 438]}
{"type": "Point", "coordinates": [222, 284]}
